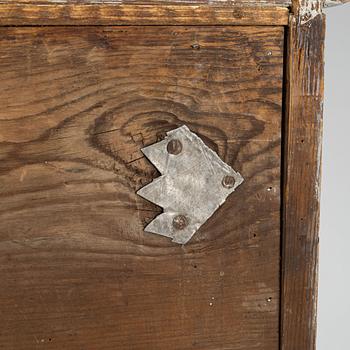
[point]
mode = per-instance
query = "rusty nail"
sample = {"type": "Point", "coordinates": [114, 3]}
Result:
{"type": "Point", "coordinates": [228, 181]}
{"type": "Point", "coordinates": [174, 147]}
{"type": "Point", "coordinates": [180, 222]}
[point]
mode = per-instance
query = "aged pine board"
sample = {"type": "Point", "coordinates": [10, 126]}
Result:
{"type": "Point", "coordinates": [77, 271]}
{"type": "Point", "coordinates": [254, 3]}
{"type": "Point", "coordinates": [112, 14]}
{"type": "Point", "coordinates": [303, 149]}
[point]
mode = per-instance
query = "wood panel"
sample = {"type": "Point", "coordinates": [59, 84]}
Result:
{"type": "Point", "coordinates": [77, 270]}
{"type": "Point", "coordinates": [302, 177]}
{"type": "Point", "coordinates": [111, 14]}
{"type": "Point", "coordinates": [254, 3]}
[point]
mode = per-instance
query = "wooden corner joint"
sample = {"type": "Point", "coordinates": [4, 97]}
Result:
{"type": "Point", "coordinates": [307, 10]}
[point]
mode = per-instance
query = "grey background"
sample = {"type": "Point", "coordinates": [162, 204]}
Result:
{"type": "Point", "coordinates": [334, 285]}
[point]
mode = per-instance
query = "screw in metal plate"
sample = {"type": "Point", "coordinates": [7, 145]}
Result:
{"type": "Point", "coordinates": [174, 147]}
{"type": "Point", "coordinates": [180, 222]}
{"type": "Point", "coordinates": [228, 181]}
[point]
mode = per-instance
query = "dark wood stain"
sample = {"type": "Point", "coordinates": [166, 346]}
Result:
{"type": "Point", "coordinates": [302, 180]}
{"type": "Point", "coordinates": [77, 269]}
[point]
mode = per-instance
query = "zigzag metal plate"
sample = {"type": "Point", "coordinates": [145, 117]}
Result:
{"type": "Point", "coordinates": [194, 183]}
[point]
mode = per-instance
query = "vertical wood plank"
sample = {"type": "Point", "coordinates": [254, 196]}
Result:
{"type": "Point", "coordinates": [302, 177]}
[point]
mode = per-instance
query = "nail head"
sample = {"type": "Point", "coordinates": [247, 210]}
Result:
{"type": "Point", "coordinates": [180, 222]}
{"type": "Point", "coordinates": [228, 181]}
{"type": "Point", "coordinates": [174, 147]}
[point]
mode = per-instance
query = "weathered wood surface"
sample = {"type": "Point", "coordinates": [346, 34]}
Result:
{"type": "Point", "coordinates": [104, 14]}
{"type": "Point", "coordinates": [77, 270]}
{"type": "Point", "coordinates": [302, 180]}
{"type": "Point", "coordinates": [254, 3]}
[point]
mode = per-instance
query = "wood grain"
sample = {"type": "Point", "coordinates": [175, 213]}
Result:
{"type": "Point", "coordinates": [111, 14]}
{"type": "Point", "coordinates": [77, 270]}
{"type": "Point", "coordinates": [302, 182]}
{"type": "Point", "coordinates": [254, 3]}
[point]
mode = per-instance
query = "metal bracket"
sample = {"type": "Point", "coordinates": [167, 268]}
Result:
{"type": "Point", "coordinates": [194, 183]}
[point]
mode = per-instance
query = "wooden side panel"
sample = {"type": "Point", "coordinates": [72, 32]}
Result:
{"type": "Point", "coordinates": [77, 270]}
{"type": "Point", "coordinates": [302, 180]}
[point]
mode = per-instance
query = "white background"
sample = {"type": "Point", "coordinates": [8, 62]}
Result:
{"type": "Point", "coordinates": [334, 287]}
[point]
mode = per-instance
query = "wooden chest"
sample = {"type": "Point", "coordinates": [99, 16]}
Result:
{"type": "Point", "coordinates": [85, 85]}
